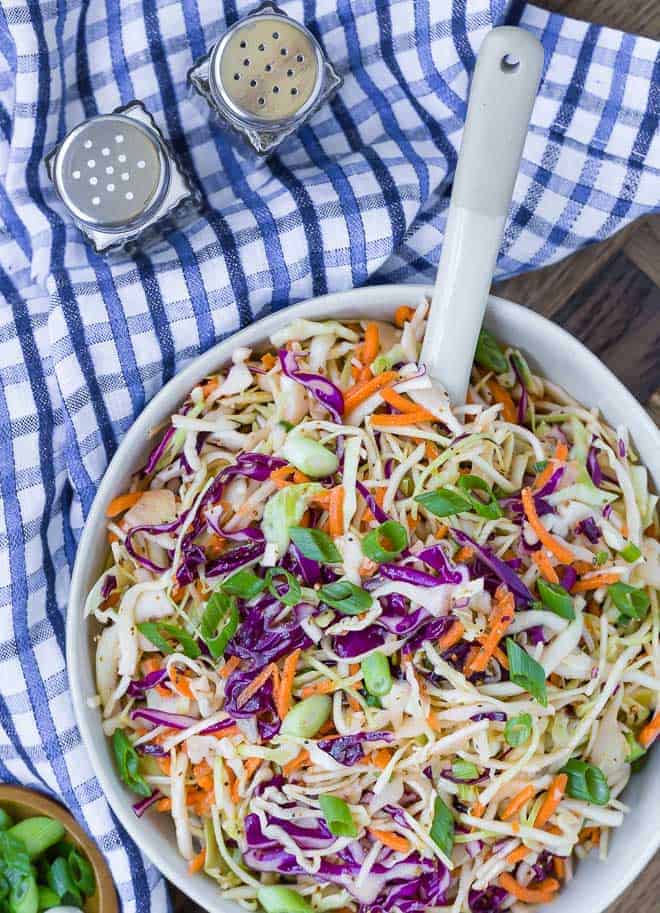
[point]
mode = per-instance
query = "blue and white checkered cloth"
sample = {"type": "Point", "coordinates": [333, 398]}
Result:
{"type": "Point", "coordinates": [358, 195]}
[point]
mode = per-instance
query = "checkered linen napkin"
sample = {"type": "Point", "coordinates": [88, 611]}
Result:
{"type": "Point", "coordinates": [359, 195]}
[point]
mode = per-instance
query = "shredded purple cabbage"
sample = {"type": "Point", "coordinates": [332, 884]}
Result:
{"type": "Point", "coordinates": [192, 557]}
{"type": "Point", "coordinates": [489, 900]}
{"type": "Point", "coordinates": [432, 630]}
{"type": "Point", "coordinates": [347, 749]}
{"type": "Point", "coordinates": [153, 529]}
{"type": "Point", "coordinates": [373, 505]}
{"type": "Point", "coordinates": [435, 557]}
{"type": "Point", "coordinates": [140, 807]}
{"type": "Point", "coordinates": [593, 467]}
{"type": "Point", "coordinates": [309, 570]}
{"type": "Point", "coordinates": [322, 389]}
{"type": "Point", "coordinates": [498, 567]}
{"type": "Point", "coordinates": [589, 529]}
{"type": "Point", "coordinates": [151, 749]}
{"type": "Point", "coordinates": [536, 635]}
{"type": "Point", "coordinates": [568, 577]}
{"type": "Point", "coordinates": [409, 575]}
{"type": "Point", "coordinates": [164, 718]}
{"type": "Point", "coordinates": [109, 584]}
{"type": "Point", "coordinates": [158, 451]}
{"type": "Point", "coordinates": [522, 402]}
{"type": "Point", "coordinates": [355, 643]}
{"type": "Point", "coordinates": [235, 559]}
{"type": "Point", "coordinates": [495, 716]}
{"type": "Point", "coordinates": [137, 688]}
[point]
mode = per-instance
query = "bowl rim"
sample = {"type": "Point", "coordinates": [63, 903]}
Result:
{"type": "Point", "coordinates": [122, 465]}
{"type": "Point", "coordinates": [40, 804]}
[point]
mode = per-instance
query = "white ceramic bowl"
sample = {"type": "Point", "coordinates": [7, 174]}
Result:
{"type": "Point", "coordinates": [557, 355]}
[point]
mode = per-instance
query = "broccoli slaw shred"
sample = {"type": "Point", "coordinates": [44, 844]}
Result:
{"type": "Point", "coordinates": [372, 652]}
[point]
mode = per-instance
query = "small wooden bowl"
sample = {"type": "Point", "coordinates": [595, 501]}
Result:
{"type": "Point", "coordinates": [23, 803]}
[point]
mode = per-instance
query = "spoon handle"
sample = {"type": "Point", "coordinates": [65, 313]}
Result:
{"type": "Point", "coordinates": [502, 94]}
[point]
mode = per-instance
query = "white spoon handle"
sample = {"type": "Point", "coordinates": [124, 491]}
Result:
{"type": "Point", "coordinates": [502, 94]}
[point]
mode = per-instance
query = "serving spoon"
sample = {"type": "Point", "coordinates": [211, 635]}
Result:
{"type": "Point", "coordinates": [504, 86]}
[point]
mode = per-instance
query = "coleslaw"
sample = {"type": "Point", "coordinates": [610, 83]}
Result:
{"type": "Point", "coordinates": [372, 652]}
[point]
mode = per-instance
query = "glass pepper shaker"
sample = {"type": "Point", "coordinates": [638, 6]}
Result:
{"type": "Point", "coordinates": [264, 78]}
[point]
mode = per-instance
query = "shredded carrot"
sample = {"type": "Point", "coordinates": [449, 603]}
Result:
{"type": "Point", "coordinates": [403, 314]}
{"type": "Point", "coordinates": [590, 833]}
{"type": "Point", "coordinates": [553, 829]}
{"type": "Point", "coordinates": [232, 663]}
{"type": "Point", "coordinates": [111, 601]}
{"type": "Point", "coordinates": [542, 562]}
{"type": "Point", "coordinates": [203, 775]}
{"type": "Point", "coordinates": [251, 765]}
{"type": "Point", "coordinates": [501, 657]}
{"type": "Point", "coordinates": [180, 683]}
{"type": "Point", "coordinates": [500, 395]}
{"type": "Point", "coordinates": [402, 403]}
{"type": "Point", "coordinates": [515, 827]}
{"type": "Point", "coordinates": [299, 478]}
{"type": "Point", "coordinates": [560, 551]}
{"type": "Point", "coordinates": [582, 567]}
{"type": "Point", "coordinates": [559, 866]}
{"type": "Point", "coordinates": [301, 758]}
{"type": "Point", "coordinates": [431, 452]}
{"type": "Point", "coordinates": [164, 805]}
{"type": "Point", "coordinates": [465, 553]}
{"type": "Point", "coordinates": [561, 451]}
{"type": "Point", "coordinates": [324, 687]}
{"type": "Point", "coordinates": [357, 394]}
{"type": "Point", "coordinates": [209, 386]}
{"type": "Point", "coordinates": [336, 510]}
{"type": "Point", "coordinates": [281, 474]}
{"type": "Point", "coordinates": [390, 839]}
{"type": "Point", "coordinates": [452, 636]}
{"type": "Point", "coordinates": [402, 419]}
{"type": "Point", "coordinates": [165, 764]}
{"type": "Point", "coordinates": [544, 477]}
{"type": "Point", "coordinates": [542, 893]}
{"type": "Point", "coordinates": [595, 582]}
{"type": "Point", "coordinates": [518, 854]}
{"type": "Point", "coordinates": [215, 546]}
{"type": "Point", "coordinates": [233, 785]}
{"type": "Point", "coordinates": [227, 733]}
{"type": "Point", "coordinates": [268, 360]}
{"type": "Point", "coordinates": [196, 864]}
{"type": "Point", "coordinates": [283, 699]}
{"type": "Point", "coordinates": [328, 728]}
{"type": "Point", "coordinates": [121, 503]}
{"type": "Point", "coordinates": [552, 799]}
{"type": "Point", "coordinates": [499, 620]}
{"type": "Point", "coordinates": [515, 804]}
{"type": "Point", "coordinates": [355, 372]}
{"type": "Point", "coordinates": [380, 758]}
{"type": "Point", "coordinates": [322, 499]}
{"type": "Point", "coordinates": [435, 725]}
{"type": "Point", "coordinates": [364, 374]}
{"type": "Point", "coordinates": [112, 537]}
{"type": "Point", "coordinates": [477, 810]}
{"type": "Point", "coordinates": [371, 343]}
{"type": "Point", "coordinates": [256, 683]}
{"type": "Point", "coordinates": [650, 732]}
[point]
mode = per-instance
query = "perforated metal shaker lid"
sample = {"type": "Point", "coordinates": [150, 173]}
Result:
{"type": "Point", "coordinates": [112, 172]}
{"type": "Point", "coordinates": [267, 70]}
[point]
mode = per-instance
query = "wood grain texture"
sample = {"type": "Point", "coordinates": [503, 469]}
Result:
{"type": "Point", "coordinates": [608, 295]}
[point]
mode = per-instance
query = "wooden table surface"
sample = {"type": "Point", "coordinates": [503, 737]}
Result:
{"type": "Point", "coordinates": [608, 295]}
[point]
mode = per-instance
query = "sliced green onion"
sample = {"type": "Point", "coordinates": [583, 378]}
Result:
{"type": "Point", "coordinates": [376, 674]}
{"type": "Point", "coordinates": [601, 558]}
{"type": "Point", "coordinates": [372, 701]}
{"type": "Point", "coordinates": [345, 597]}
{"type": "Point", "coordinates": [586, 782]}
{"type": "Point", "coordinates": [443, 502]}
{"type": "Point", "coordinates": [315, 544]}
{"type": "Point", "coordinates": [338, 816]}
{"type": "Point", "coordinates": [490, 509]}
{"type": "Point", "coordinates": [245, 584]}
{"type": "Point", "coordinates": [82, 873]}
{"type": "Point", "coordinates": [128, 763]}
{"type": "Point", "coordinates": [540, 466]}
{"type": "Point", "coordinates": [518, 730]}
{"type": "Point", "coordinates": [464, 770]}
{"type": "Point", "coordinates": [466, 793]}
{"type": "Point", "coordinates": [15, 855]}
{"type": "Point", "coordinates": [635, 750]}
{"type": "Point", "coordinates": [5, 820]}
{"type": "Point", "coordinates": [442, 829]}
{"type": "Point", "coordinates": [60, 881]}
{"type": "Point", "coordinates": [309, 456]}
{"type": "Point", "coordinates": [526, 672]}
{"type": "Point", "coordinates": [631, 601]}
{"type": "Point", "coordinates": [556, 598]}
{"type": "Point", "coordinates": [47, 898]}
{"type": "Point", "coordinates": [489, 355]}
{"type": "Point", "coordinates": [24, 897]}
{"type": "Point", "coordinates": [38, 834]}
{"type": "Point", "coordinates": [162, 635]}
{"type": "Point", "coordinates": [293, 593]}
{"type": "Point", "coordinates": [286, 425]}
{"type": "Point", "coordinates": [275, 898]}
{"type": "Point", "coordinates": [630, 552]}
{"type": "Point", "coordinates": [306, 717]}
{"type": "Point", "coordinates": [385, 542]}
{"type": "Point", "coordinates": [219, 622]}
